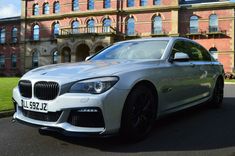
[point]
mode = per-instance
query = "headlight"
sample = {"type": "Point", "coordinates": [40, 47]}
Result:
{"type": "Point", "coordinates": [94, 86]}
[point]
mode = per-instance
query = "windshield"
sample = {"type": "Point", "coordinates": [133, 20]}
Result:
{"type": "Point", "coordinates": [152, 49]}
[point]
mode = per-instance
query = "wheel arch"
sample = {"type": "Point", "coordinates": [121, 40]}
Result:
{"type": "Point", "coordinates": [221, 77]}
{"type": "Point", "coordinates": [150, 85]}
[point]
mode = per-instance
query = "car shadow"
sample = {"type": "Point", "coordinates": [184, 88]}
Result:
{"type": "Point", "coordinates": [198, 128]}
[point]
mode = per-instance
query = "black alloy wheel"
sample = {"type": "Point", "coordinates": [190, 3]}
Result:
{"type": "Point", "coordinates": [218, 94]}
{"type": "Point", "coordinates": [139, 113]}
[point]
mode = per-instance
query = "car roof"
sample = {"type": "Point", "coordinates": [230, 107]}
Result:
{"type": "Point", "coordinates": [155, 39]}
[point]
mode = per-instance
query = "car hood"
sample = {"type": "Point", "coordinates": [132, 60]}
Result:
{"type": "Point", "coordinates": [65, 72]}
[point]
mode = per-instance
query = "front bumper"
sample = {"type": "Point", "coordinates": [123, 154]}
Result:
{"type": "Point", "coordinates": [96, 114]}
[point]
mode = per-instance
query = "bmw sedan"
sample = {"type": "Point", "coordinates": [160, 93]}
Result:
{"type": "Point", "coordinates": [122, 89]}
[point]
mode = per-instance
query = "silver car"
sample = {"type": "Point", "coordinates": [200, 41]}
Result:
{"type": "Point", "coordinates": [122, 89]}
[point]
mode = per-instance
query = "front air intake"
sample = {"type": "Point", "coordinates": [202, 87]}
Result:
{"type": "Point", "coordinates": [46, 90]}
{"type": "Point", "coordinates": [25, 88]}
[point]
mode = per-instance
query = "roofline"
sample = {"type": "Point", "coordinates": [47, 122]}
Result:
{"type": "Point", "coordinates": [207, 5]}
{"type": "Point", "coordinates": [153, 39]}
{"type": "Point", "coordinates": [15, 18]}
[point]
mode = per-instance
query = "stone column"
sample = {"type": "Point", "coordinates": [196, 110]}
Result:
{"type": "Point", "coordinates": [23, 34]}
{"type": "Point", "coordinates": [175, 23]}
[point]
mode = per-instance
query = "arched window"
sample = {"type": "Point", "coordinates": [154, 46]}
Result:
{"type": "Point", "coordinates": [143, 2]}
{"type": "Point", "coordinates": [55, 57]}
{"type": "Point", "coordinates": [130, 3]}
{"type": "Point", "coordinates": [157, 25]}
{"type": "Point", "coordinates": [13, 60]}
{"type": "Point", "coordinates": [75, 5]}
{"type": "Point", "coordinates": [35, 9]}
{"type": "Point", "coordinates": [75, 26]}
{"type": "Point", "coordinates": [56, 29]}
{"type": "Point", "coordinates": [130, 26]}
{"type": "Point", "coordinates": [213, 23]}
{"type": "Point", "coordinates": [35, 59]}
{"type": "Point", "coordinates": [193, 24]}
{"type": "Point", "coordinates": [3, 35]}
{"type": "Point", "coordinates": [107, 4]}
{"type": "Point", "coordinates": [156, 2]}
{"type": "Point", "coordinates": [91, 5]}
{"type": "Point", "coordinates": [91, 26]}
{"type": "Point", "coordinates": [214, 52]}
{"type": "Point", "coordinates": [14, 32]}
{"type": "Point", "coordinates": [106, 25]}
{"type": "Point", "coordinates": [2, 61]}
{"type": "Point", "coordinates": [56, 7]}
{"type": "Point", "coordinates": [46, 8]}
{"type": "Point", "coordinates": [36, 33]}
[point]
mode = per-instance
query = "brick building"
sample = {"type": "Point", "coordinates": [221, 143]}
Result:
{"type": "Point", "coordinates": [54, 31]}
{"type": "Point", "coordinates": [9, 46]}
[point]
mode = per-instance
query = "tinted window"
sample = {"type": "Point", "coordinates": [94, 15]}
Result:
{"type": "Point", "coordinates": [194, 51]}
{"type": "Point", "coordinates": [178, 47]}
{"type": "Point", "coordinates": [197, 52]}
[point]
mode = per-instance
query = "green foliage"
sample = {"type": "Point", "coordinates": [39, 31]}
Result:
{"type": "Point", "coordinates": [6, 86]}
{"type": "Point", "coordinates": [230, 80]}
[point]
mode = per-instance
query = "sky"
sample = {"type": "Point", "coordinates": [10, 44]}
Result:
{"type": "Point", "coordinates": [11, 8]}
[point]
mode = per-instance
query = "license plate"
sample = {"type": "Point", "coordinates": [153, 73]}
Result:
{"type": "Point", "coordinates": [34, 106]}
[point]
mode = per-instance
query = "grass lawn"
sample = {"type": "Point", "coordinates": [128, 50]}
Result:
{"type": "Point", "coordinates": [230, 80]}
{"type": "Point", "coordinates": [6, 86]}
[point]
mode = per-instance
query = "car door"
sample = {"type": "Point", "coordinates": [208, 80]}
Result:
{"type": "Point", "coordinates": [203, 64]}
{"type": "Point", "coordinates": [178, 86]}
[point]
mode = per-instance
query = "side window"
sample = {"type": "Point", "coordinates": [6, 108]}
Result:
{"type": "Point", "coordinates": [205, 53]}
{"type": "Point", "coordinates": [178, 47]}
{"type": "Point", "coordinates": [197, 52]}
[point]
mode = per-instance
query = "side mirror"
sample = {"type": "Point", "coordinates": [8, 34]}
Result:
{"type": "Point", "coordinates": [88, 57]}
{"type": "Point", "coordinates": [181, 57]}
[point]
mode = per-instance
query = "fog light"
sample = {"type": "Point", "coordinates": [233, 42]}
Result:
{"type": "Point", "coordinates": [86, 117]}
{"type": "Point", "coordinates": [87, 110]}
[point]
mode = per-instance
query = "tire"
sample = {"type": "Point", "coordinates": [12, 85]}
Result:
{"type": "Point", "coordinates": [139, 113]}
{"type": "Point", "coordinates": [218, 94]}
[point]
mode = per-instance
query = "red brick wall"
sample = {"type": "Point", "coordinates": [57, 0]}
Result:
{"type": "Point", "coordinates": [8, 48]}
{"type": "Point", "coordinates": [223, 43]}
{"type": "Point", "coordinates": [143, 22]}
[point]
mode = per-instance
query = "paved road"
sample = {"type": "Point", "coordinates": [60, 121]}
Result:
{"type": "Point", "coordinates": [198, 131]}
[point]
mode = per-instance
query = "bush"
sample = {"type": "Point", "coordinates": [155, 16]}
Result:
{"type": "Point", "coordinates": [229, 75]}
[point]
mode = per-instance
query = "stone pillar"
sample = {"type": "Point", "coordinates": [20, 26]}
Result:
{"type": "Point", "coordinates": [175, 23]}
{"type": "Point", "coordinates": [23, 35]}
{"type": "Point", "coordinates": [233, 44]}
